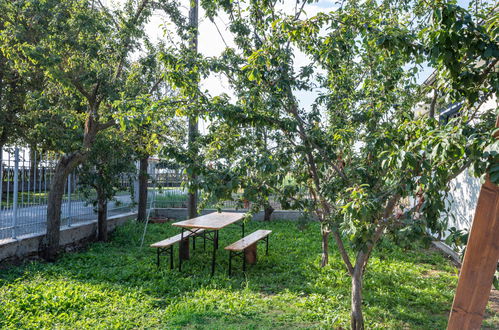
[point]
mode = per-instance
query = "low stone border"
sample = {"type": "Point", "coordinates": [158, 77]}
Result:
{"type": "Point", "coordinates": [12, 250]}
{"type": "Point", "coordinates": [181, 213]}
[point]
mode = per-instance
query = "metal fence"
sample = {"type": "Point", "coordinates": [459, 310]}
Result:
{"type": "Point", "coordinates": [166, 190]}
{"type": "Point", "coordinates": [25, 179]}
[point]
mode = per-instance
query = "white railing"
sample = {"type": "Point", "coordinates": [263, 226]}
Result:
{"type": "Point", "coordinates": [25, 179]}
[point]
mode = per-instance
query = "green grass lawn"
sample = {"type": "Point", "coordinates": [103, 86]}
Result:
{"type": "Point", "coordinates": [117, 285]}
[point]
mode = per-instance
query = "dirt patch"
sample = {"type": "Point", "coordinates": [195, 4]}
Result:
{"type": "Point", "coordinates": [431, 273]}
{"type": "Point", "coordinates": [492, 313]}
{"type": "Point", "coordinates": [494, 301]}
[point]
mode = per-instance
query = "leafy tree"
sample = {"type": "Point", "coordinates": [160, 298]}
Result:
{"type": "Point", "coordinates": [109, 163]}
{"type": "Point", "coordinates": [83, 51]}
{"type": "Point", "coordinates": [359, 157]}
{"type": "Point", "coordinates": [147, 114]}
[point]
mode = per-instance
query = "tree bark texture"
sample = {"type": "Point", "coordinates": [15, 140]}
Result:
{"type": "Point", "coordinates": [267, 212]}
{"type": "Point", "coordinates": [143, 180]}
{"type": "Point", "coordinates": [66, 164]}
{"type": "Point", "coordinates": [325, 246]}
{"type": "Point", "coordinates": [64, 167]}
{"type": "Point", "coordinates": [357, 318]}
{"type": "Point", "coordinates": [101, 216]}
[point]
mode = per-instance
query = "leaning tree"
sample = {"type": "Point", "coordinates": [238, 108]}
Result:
{"type": "Point", "coordinates": [84, 50]}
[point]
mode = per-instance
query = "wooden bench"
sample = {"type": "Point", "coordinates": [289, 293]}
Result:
{"type": "Point", "coordinates": [166, 245]}
{"type": "Point", "coordinates": [246, 247]}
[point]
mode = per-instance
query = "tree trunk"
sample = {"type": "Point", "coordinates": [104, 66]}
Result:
{"type": "Point", "coordinates": [102, 218]}
{"type": "Point", "coordinates": [325, 246]}
{"type": "Point", "coordinates": [143, 180]}
{"type": "Point", "coordinates": [357, 319]}
{"type": "Point", "coordinates": [66, 164]}
{"type": "Point", "coordinates": [268, 210]}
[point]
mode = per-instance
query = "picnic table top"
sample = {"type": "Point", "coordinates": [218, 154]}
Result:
{"type": "Point", "coordinates": [214, 221]}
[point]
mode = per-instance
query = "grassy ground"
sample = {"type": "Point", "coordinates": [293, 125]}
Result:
{"type": "Point", "coordinates": [117, 285]}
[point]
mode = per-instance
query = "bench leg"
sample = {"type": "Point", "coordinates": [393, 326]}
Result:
{"type": "Point", "coordinates": [157, 257]}
{"type": "Point", "coordinates": [230, 262]}
{"type": "Point", "coordinates": [194, 242]}
{"type": "Point", "coordinates": [267, 245]}
{"type": "Point", "coordinates": [244, 261]}
{"type": "Point", "coordinates": [204, 241]}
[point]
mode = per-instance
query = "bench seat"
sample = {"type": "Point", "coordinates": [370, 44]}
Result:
{"type": "Point", "coordinates": [246, 247]}
{"type": "Point", "coordinates": [175, 239]}
{"type": "Point", "coordinates": [249, 240]}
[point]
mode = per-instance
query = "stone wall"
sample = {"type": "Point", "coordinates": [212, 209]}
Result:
{"type": "Point", "coordinates": [181, 213]}
{"type": "Point", "coordinates": [12, 250]}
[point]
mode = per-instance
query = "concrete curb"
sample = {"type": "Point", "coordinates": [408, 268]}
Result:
{"type": "Point", "coordinates": [181, 213]}
{"type": "Point", "coordinates": [12, 250]}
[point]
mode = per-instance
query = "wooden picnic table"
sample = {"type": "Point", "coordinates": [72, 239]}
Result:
{"type": "Point", "coordinates": [211, 223]}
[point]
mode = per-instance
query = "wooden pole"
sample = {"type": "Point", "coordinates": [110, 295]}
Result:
{"type": "Point", "coordinates": [480, 261]}
{"type": "Point", "coordinates": [193, 121]}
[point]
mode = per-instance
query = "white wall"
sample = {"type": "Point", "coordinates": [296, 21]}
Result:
{"type": "Point", "coordinates": [462, 200]}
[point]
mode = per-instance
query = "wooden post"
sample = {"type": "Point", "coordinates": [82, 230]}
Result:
{"type": "Point", "coordinates": [250, 254]}
{"type": "Point", "coordinates": [184, 249]}
{"type": "Point", "coordinates": [480, 261]}
{"type": "Point", "coordinates": [192, 196]}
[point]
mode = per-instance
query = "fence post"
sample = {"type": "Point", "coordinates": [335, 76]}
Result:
{"type": "Point", "coordinates": [69, 199]}
{"type": "Point", "coordinates": [16, 192]}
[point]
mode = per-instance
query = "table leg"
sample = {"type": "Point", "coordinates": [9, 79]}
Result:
{"type": "Point", "coordinates": [215, 239]}
{"type": "Point", "coordinates": [215, 246]}
{"type": "Point", "coordinates": [243, 228]}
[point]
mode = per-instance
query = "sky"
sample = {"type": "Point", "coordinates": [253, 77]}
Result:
{"type": "Point", "coordinates": [212, 41]}
{"type": "Point", "coordinates": [213, 38]}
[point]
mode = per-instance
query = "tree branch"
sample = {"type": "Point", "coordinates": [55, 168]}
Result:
{"type": "Point", "coordinates": [126, 42]}
{"type": "Point", "coordinates": [103, 126]}
{"type": "Point", "coordinates": [156, 85]}
{"type": "Point", "coordinates": [433, 104]}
